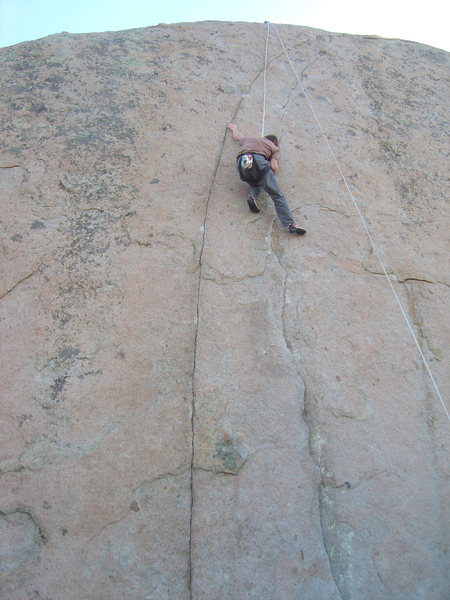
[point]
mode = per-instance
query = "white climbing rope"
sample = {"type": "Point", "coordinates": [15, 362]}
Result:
{"type": "Point", "coordinates": [360, 216]}
{"type": "Point", "coordinates": [265, 88]}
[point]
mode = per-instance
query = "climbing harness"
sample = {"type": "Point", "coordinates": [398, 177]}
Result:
{"type": "Point", "coordinates": [372, 243]}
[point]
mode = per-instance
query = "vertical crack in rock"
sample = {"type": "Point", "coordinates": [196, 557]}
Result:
{"type": "Point", "coordinates": [193, 384]}
{"type": "Point", "coordinates": [322, 497]}
{"type": "Point", "coordinates": [277, 252]}
{"type": "Point", "coordinates": [322, 500]}
{"type": "Point", "coordinates": [428, 403]}
{"type": "Point", "coordinates": [194, 367]}
{"type": "Point", "coordinates": [329, 550]}
{"type": "Point", "coordinates": [417, 322]}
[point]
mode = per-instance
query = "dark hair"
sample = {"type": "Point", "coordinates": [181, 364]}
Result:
{"type": "Point", "coordinates": [272, 138]}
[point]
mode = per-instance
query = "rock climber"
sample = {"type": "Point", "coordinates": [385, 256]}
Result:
{"type": "Point", "coordinates": [257, 164]}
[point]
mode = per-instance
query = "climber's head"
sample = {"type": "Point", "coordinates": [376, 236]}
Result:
{"type": "Point", "coordinates": [273, 139]}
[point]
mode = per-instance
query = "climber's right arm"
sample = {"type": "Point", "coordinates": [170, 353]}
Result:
{"type": "Point", "coordinates": [237, 135]}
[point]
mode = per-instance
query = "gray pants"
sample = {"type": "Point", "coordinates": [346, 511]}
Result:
{"type": "Point", "coordinates": [270, 185]}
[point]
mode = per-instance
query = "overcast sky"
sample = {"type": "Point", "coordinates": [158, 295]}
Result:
{"type": "Point", "coordinates": [425, 22]}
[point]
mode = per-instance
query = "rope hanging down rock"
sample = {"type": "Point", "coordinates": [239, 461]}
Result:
{"type": "Point", "coordinates": [265, 87]}
{"type": "Point", "coordinates": [372, 243]}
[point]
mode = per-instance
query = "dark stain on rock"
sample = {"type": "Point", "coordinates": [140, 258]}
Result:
{"type": "Point", "coordinates": [68, 355]}
{"type": "Point", "coordinates": [88, 373]}
{"type": "Point", "coordinates": [24, 418]}
{"type": "Point", "coordinates": [38, 108]}
{"type": "Point", "coordinates": [231, 453]}
{"type": "Point", "coordinates": [58, 387]}
{"type": "Point", "coordinates": [37, 225]}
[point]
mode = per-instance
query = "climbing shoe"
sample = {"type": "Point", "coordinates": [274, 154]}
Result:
{"type": "Point", "coordinates": [252, 205]}
{"type": "Point", "coordinates": [294, 229]}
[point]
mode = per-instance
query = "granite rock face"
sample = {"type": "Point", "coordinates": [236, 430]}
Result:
{"type": "Point", "coordinates": [196, 404]}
